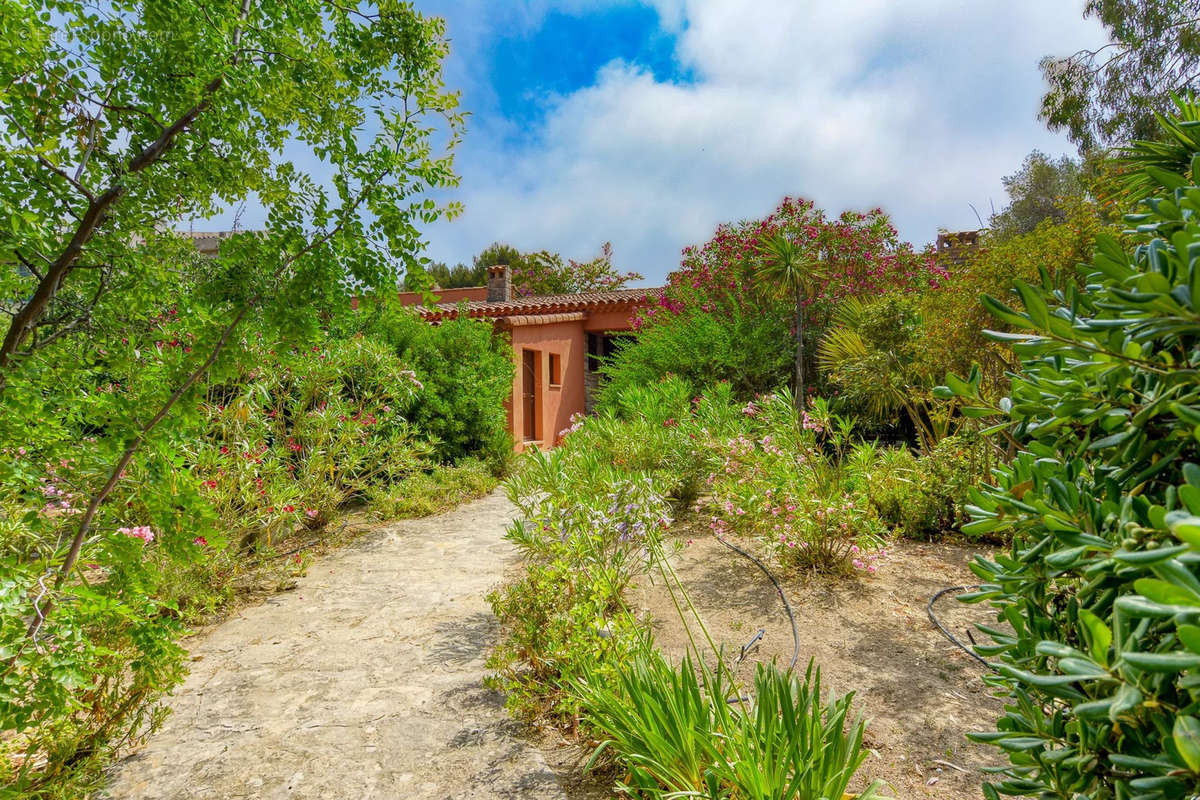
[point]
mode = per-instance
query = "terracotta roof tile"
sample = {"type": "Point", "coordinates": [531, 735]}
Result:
{"type": "Point", "coordinates": [547, 304]}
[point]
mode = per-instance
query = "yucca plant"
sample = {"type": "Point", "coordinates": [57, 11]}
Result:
{"type": "Point", "coordinates": [657, 722]}
{"type": "Point", "coordinates": [682, 733]}
{"type": "Point", "coordinates": [790, 270]}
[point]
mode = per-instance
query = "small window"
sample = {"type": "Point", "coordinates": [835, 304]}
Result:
{"type": "Point", "coordinates": [555, 369]}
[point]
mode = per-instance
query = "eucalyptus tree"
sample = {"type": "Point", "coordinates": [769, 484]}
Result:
{"type": "Point", "coordinates": [1113, 93]}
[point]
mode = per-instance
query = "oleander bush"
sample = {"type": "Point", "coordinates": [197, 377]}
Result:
{"type": "Point", "coordinates": [789, 481]}
{"type": "Point", "coordinates": [1098, 650]}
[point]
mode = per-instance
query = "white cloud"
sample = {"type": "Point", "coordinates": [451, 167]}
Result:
{"type": "Point", "coordinates": [918, 106]}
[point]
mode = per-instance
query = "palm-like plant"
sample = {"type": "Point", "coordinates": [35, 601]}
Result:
{"type": "Point", "coordinates": [851, 359]}
{"type": "Point", "coordinates": [878, 373]}
{"type": "Point", "coordinates": [1144, 167]}
{"type": "Point", "coordinates": [786, 269]}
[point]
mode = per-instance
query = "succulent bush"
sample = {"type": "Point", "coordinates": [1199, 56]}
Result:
{"type": "Point", "coordinates": [1099, 652]}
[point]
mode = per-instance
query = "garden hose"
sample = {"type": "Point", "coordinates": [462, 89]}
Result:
{"type": "Point", "coordinates": [779, 589]}
{"type": "Point", "coordinates": [947, 633]}
{"type": "Point", "coordinates": [748, 646]}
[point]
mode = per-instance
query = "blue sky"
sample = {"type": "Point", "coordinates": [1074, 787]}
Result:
{"type": "Point", "coordinates": [647, 124]}
{"type": "Point", "coordinates": [565, 52]}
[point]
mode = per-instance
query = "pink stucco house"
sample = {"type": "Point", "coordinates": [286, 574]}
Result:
{"type": "Point", "coordinates": [557, 342]}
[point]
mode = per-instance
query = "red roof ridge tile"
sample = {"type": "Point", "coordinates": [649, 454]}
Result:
{"type": "Point", "coordinates": [546, 304]}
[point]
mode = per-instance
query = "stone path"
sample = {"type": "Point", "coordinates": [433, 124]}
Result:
{"type": "Point", "coordinates": [363, 682]}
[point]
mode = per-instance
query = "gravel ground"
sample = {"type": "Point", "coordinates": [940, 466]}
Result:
{"type": "Point", "coordinates": [364, 681]}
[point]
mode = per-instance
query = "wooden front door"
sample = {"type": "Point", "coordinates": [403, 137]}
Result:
{"type": "Point", "coordinates": [529, 393]}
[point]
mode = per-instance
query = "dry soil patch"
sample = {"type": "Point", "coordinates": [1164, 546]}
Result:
{"type": "Point", "coordinates": [869, 635]}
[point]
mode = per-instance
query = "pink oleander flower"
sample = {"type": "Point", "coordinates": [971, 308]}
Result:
{"type": "Point", "coordinates": [142, 532]}
{"type": "Point", "coordinates": [200, 541]}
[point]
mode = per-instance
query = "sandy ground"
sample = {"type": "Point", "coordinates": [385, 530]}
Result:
{"type": "Point", "coordinates": [870, 635]}
{"type": "Point", "coordinates": [364, 681]}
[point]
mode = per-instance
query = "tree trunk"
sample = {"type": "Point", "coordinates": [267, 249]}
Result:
{"type": "Point", "coordinates": [800, 388]}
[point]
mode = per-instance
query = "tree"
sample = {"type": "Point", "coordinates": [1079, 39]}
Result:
{"type": "Point", "coordinates": [498, 253]}
{"type": "Point", "coordinates": [1041, 189]}
{"type": "Point", "coordinates": [544, 272]}
{"type": "Point", "coordinates": [872, 354]}
{"type": "Point", "coordinates": [120, 122]}
{"type": "Point", "coordinates": [445, 277]}
{"type": "Point", "coordinates": [769, 268]}
{"type": "Point", "coordinates": [953, 322]}
{"type": "Point", "coordinates": [1111, 94]}
{"type": "Point", "coordinates": [787, 269]}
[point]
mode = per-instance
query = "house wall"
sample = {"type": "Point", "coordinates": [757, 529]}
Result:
{"type": "Point", "coordinates": [568, 341]}
{"type": "Point", "coordinates": [600, 321]}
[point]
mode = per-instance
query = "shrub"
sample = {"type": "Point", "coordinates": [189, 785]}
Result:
{"type": "Point", "coordinates": [776, 480]}
{"type": "Point", "coordinates": [593, 509]}
{"type": "Point", "coordinates": [466, 374]}
{"type": "Point", "coordinates": [566, 613]}
{"type": "Point", "coordinates": [922, 496]}
{"type": "Point", "coordinates": [432, 490]}
{"type": "Point", "coordinates": [296, 437]}
{"type": "Point", "coordinates": [744, 344]}
{"type": "Point", "coordinates": [1100, 590]}
{"type": "Point", "coordinates": [951, 337]}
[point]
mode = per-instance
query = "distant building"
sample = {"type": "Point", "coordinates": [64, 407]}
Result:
{"type": "Point", "coordinates": [956, 247]}
{"type": "Point", "coordinates": [558, 344]}
{"type": "Point", "coordinates": [207, 242]}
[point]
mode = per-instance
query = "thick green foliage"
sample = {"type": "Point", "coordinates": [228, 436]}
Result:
{"type": "Point", "coordinates": [951, 337]}
{"type": "Point", "coordinates": [1099, 596]}
{"type": "Point", "coordinates": [920, 495]}
{"type": "Point", "coordinates": [432, 491]}
{"type": "Point", "coordinates": [466, 378]}
{"type": "Point", "coordinates": [744, 345]}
